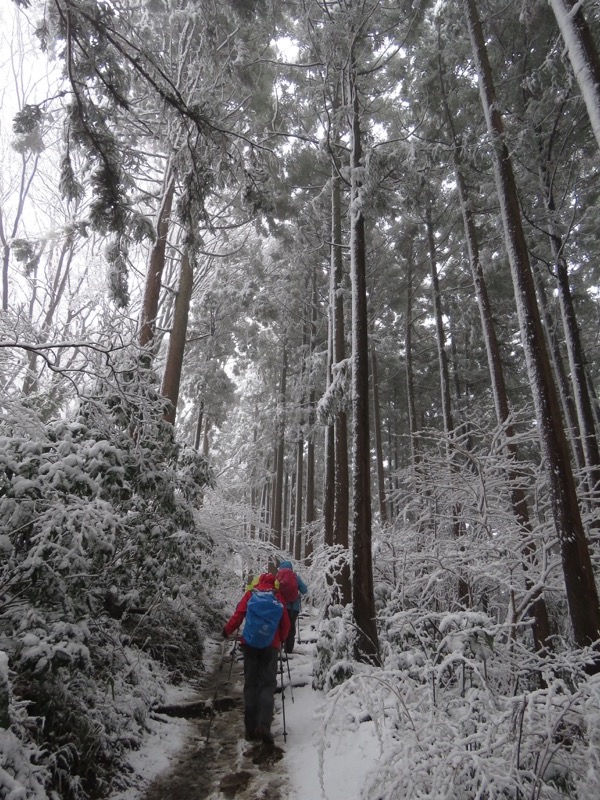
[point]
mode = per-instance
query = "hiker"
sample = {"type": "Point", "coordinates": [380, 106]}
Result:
{"type": "Point", "coordinates": [251, 582]}
{"type": "Point", "coordinates": [267, 626]}
{"type": "Point", "coordinates": [291, 587]}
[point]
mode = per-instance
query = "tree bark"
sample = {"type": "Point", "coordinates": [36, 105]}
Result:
{"type": "Point", "coordinates": [300, 443]}
{"type": "Point", "coordinates": [329, 439]}
{"type": "Point", "coordinates": [363, 599]}
{"type": "Point", "coordinates": [328, 484]}
{"type": "Point", "coordinates": [581, 591]}
{"type": "Point", "coordinates": [176, 349]}
{"type": "Point", "coordinates": [280, 447]}
{"type": "Point", "coordinates": [539, 611]}
{"type": "Point", "coordinates": [341, 493]}
{"type": "Point", "coordinates": [538, 608]}
{"type": "Point", "coordinates": [289, 505]}
{"type": "Point", "coordinates": [383, 513]}
{"type": "Point", "coordinates": [199, 420]}
{"type": "Point", "coordinates": [156, 266]}
{"type": "Point", "coordinates": [439, 326]}
{"type": "Point", "coordinates": [310, 444]}
{"type": "Point", "coordinates": [445, 389]}
{"type": "Point", "coordinates": [206, 437]}
{"type": "Point", "coordinates": [583, 55]}
{"type": "Point", "coordinates": [576, 357]}
{"type": "Point", "coordinates": [273, 487]}
{"type": "Point", "coordinates": [410, 380]}
{"type": "Point", "coordinates": [299, 497]}
{"type": "Point", "coordinates": [560, 374]}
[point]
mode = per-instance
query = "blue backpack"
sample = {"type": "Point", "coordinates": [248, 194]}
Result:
{"type": "Point", "coordinates": [263, 615]}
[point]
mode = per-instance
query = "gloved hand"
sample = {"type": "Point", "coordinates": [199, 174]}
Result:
{"type": "Point", "coordinates": [224, 632]}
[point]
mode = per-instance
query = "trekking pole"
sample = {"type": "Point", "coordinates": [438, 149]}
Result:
{"type": "Point", "coordinates": [217, 686]}
{"type": "Point", "coordinates": [287, 661]}
{"type": "Point", "coordinates": [298, 628]}
{"type": "Point", "coordinates": [282, 694]}
{"type": "Point", "coordinates": [232, 659]}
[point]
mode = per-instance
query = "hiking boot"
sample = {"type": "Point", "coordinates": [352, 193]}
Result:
{"type": "Point", "coordinates": [265, 734]}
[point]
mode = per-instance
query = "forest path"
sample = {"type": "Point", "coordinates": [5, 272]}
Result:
{"type": "Point", "coordinates": [216, 762]}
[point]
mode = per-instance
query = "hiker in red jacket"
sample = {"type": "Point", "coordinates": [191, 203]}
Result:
{"type": "Point", "coordinates": [291, 587]}
{"type": "Point", "coordinates": [267, 626]}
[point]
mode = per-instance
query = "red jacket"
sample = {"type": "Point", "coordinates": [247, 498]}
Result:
{"type": "Point", "coordinates": [265, 584]}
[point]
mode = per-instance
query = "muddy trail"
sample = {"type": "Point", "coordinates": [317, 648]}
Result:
{"type": "Point", "coordinates": [216, 762]}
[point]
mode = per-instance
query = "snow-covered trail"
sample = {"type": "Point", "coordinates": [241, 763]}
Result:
{"type": "Point", "coordinates": [308, 763]}
{"type": "Point", "coordinates": [327, 755]}
{"type": "Point", "coordinates": [206, 757]}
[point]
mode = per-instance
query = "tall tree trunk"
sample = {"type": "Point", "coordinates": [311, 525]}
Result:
{"type": "Point", "coordinates": [583, 403]}
{"type": "Point", "coordinates": [454, 362]}
{"type": "Point", "coordinates": [410, 380]}
{"type": "Point", "coordinates": [538, 609]}
{"type": "Point", "coordinates": [254, 496]}
{"type": "Point", "coordinates": [272, 487]}
{"type": "Point", "coordinates": [383, 514]}
{"type": "Point", "coordinates": [288, 513]}
{"type": "Point", "coordinates": [341, 515]}
{"type": "Point", "coordinates": [300, 443]}
{"type": "Point", "coordinates": [582, 595]}
{"type": "Point", "coordinates": [390, 476]}
{"type": "Point", "coordinates": [156, 265]}
{"type": "Point", "coordinates": [362, 567]}
{"type": "Point", "coordinates": [457, 526]}
{"type": "Point", "coordinates": [328, 484]}
{"type": "Point", "coordinates": [582, 54]}
{"type": "Point", "coordinates": [172, 374]}
{"type": "Point", "coordinates": [265, 502]}
{"type": "Point", "coordinates": [280, 446]}
{"type": "Point", "coordinates": [593, 397]}
{"type": "Point", "coordinates": [329, 441]}
{"type": "Point", "coordinates": [560, 374]}
{"type": "Point", "coordinates": [199, 421]}
{"type": "Point", "coordinates": [206, 437]}
{"type": "Point", "coordinates": [299, 495]}
{"type": "Point", "coordinates": [297, 551]}
{"type": "Point", "coordinates": [310, 443]}
{"type": "Point", "coordinates": [439, 325]}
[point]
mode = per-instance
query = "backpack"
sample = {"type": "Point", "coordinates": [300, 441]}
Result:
{"type": "Point", "coordinates": [288, 584]}
{"type": "Point", "coordinates": [263, 615]}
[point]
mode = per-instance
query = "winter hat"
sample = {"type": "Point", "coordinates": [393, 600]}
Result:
{"type": "Point", "coordinates": [285, 565]}
{"type": "Point", "coordinates": [266, 582]}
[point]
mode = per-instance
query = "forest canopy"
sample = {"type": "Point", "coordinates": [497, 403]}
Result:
{"type": "Point", "coordinates": [314, 278]}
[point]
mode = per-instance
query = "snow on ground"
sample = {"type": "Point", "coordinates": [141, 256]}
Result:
{"type": "Point", "coordinates": [327, 763]}
{"type": "Point", "coordinates": [167, 737]}
{"type": "Point", "coordinates": [331, 764]}
{"type": "Point", "coordinates": [165, 741]}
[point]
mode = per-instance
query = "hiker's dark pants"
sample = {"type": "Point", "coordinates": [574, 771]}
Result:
{"type": "Point", "coordinates": [291, 639]}
{"type": "Point", "coordinates": [260, 682]}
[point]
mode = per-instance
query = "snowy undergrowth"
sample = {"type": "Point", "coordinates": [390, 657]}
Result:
{"type": "Point", "coordinates": [448, 725]}
{"type": "Point", "coordinates": [105, 590]}
{"type": "Point", "coordinates": [464, 707]}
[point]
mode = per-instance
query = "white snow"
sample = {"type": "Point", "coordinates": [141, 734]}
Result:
{"type": "Point", "coordinates": [166, 740]}
{"type": "Point", "coordinates": [329, 762]}
{"type": "Point", "coordinates": [167, 737]}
